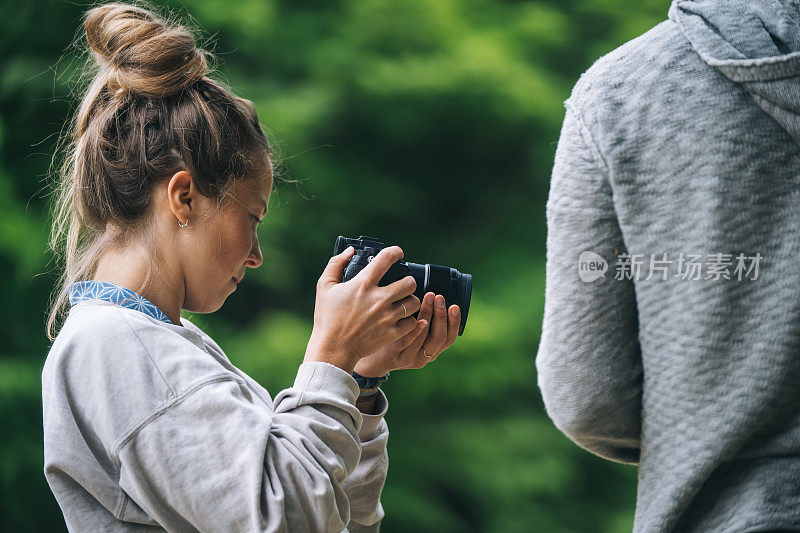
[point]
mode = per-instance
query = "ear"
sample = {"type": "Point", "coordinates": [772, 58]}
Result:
{"type": "Point", "coordinates": [180, 192]}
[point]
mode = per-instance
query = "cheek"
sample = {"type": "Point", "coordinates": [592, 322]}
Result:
{"type": "Point", "coordinates": [240, 243]}
{"type": "Point", "coordinates": [232, 246]}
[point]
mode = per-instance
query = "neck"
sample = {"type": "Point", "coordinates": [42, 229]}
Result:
{"type": "Point", "coordinates": [128, 269]}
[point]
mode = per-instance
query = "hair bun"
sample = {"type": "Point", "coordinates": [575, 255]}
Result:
{"type": "Point", "coordinates": [142, 53]}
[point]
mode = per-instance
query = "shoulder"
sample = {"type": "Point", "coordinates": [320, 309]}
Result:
{"type": "Point", "coordinates": [202, 335]}
{"type": "Point", "coordinates": [120, 365]}
{"type": "Point", "coordinates": [627, 75]}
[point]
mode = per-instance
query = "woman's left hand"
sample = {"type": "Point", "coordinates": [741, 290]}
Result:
{"type": "Point", "coordinates": [419, 347]}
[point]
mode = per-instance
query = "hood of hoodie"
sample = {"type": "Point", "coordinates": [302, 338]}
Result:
{"type": "Point", "coordinates": [755, 43]}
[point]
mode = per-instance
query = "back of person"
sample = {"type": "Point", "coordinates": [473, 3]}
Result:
{"type": "Point", "coordinates": [678, 148]}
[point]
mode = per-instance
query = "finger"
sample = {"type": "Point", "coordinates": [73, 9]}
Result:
{"type": "Point", "coordinates": [409, 306]}
{"type": "Point", "coordinates": [453, 325]}
{"type": "Point", "coordinates": [413, 349]}
{"type": "Point", "coordinates": [334, 270]}
{"type": "Point", "coordinates": [413, 337]}
{"type": "Point", "coordinates": [426, 313]}
{"type": "Point", "coordinates": [404, 327]}
{"type": "Point", "coordinates": [380, 264]}
{"type": "Point", "coordinates": [426, 309]}
{"type": "Point", "coordinates": [411, 356]}
{"type": "Point", "coordinates": [401, 288]}
{"type": "Point", "coordinates": [438, 327]}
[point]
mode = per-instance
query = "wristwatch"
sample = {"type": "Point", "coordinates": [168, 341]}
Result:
{"type": "Point", "coordinates": [368, 386]}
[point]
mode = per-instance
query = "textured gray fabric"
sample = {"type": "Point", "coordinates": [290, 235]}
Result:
{"type": "Point", "coordinates": [149, 427]}
{"type": "Point", "coordinates": [684, 140]}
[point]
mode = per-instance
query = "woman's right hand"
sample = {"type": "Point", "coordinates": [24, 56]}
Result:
{"type": "Point", "coordinates": [357, 318]}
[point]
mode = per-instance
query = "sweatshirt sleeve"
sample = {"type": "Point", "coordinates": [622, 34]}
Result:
{"type": "Point", "coordinates": [589, 360]}
{"type": "Point", "coordinates": [216, 458]}
{"type": "Point", "coordinates": [365, 484]}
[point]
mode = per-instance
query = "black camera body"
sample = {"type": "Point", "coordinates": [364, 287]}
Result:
{"type": "Point", "coordinates": [449, 282]}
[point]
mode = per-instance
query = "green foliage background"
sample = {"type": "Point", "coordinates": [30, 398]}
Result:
{"type": "Point", "coordinates": [431, 124]}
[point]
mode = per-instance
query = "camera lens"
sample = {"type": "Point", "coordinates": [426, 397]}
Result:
{"type": "Point", "coordinates": [449, 282]}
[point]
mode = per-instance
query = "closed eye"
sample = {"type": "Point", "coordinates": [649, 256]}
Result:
{"type": "Point", "coordinates": [255, 218]}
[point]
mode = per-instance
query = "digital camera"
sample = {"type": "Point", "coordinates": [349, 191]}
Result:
{"type": "Point", "coordinates": [449, 282]}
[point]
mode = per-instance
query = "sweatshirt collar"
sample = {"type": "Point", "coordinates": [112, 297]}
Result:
{"type": "Point", "coordinates": [116, 294]}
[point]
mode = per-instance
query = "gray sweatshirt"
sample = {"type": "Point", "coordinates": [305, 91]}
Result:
{"type": "Point", "coordinates": [149, 427]}
{"type": "Point", "coordinates": [671, 331]}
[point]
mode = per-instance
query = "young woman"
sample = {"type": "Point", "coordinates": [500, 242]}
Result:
{"type": "Point", "coordinates": [147, 424]}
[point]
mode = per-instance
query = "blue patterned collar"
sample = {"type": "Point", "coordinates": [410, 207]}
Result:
{"type": "Point", "coordinates": [117, 294]}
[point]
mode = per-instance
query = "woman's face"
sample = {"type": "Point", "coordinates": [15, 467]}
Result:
{"type": "Point", "coordinates": [224, 243]}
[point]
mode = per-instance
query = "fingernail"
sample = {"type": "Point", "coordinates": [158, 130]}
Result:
{"type": "Point", "coordinates": [347, 250]}
{"type": "Point", "coordinates": [440, 301]}
{"type": "Point", "coordinates": [422, 324]}
{"type": "Point", "coordinates": [455, 311]}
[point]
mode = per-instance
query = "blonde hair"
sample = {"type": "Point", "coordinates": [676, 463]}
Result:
{"type": "Point", "coordinates": [150, 110]}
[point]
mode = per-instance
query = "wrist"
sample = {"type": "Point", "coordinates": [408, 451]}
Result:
{"type": "Point", "coordinates": [367, 405]}
{"type": "Point", "coordinates": [364, 368]}
{"type": "Point", "coordinates": [320, 350]}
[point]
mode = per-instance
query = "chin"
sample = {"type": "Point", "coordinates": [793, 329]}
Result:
{"type": "Point", "coordinates": [207, 307]}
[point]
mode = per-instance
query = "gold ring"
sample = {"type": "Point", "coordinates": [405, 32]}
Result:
{"type": "Point", "coordinates": [426, 354]}
{"type": "Point", "coordinates": [404, 309]}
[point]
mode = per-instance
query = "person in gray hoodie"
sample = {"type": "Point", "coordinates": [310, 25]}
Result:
{"type": "Point", "coordinates": [671, 330]}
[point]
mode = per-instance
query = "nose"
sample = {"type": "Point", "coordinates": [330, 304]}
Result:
{"type": "Point", "coordinates": [255, 259]}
